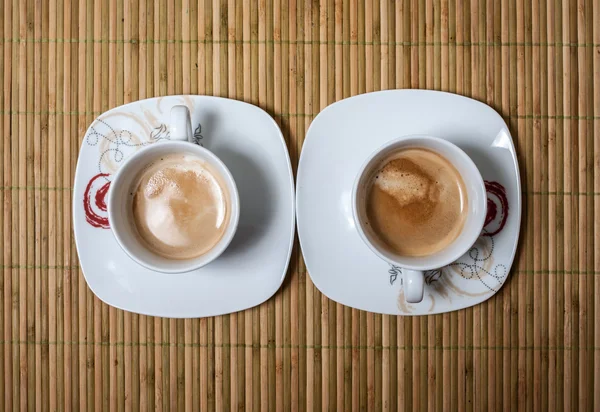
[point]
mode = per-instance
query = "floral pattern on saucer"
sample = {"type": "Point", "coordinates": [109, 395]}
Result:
{"type": "Point", "coordinates": [114, 146]}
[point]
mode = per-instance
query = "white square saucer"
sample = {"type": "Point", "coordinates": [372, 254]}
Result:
{"type": "Point", "coordinates": [337, 143]}
{"type": "Point", "coordinates": [253, 267]}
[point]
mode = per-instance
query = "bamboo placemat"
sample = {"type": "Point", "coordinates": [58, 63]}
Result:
{"type": "Point", "coordinates": [535, 345]}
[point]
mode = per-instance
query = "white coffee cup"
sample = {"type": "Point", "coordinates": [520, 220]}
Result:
{"type": "Point", "coordinates": [121, 189]}
{"type": "Point", "coordinates": [413, 268]}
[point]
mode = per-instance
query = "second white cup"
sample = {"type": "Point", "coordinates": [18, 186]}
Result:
{"type": "Point", "coordinates": [413, 267]}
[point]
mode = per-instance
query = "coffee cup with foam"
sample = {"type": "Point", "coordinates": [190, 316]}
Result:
{"type": "Point", "coordinates": [411, 223]}
{"type": "Point", "coordinates": [165, 197]}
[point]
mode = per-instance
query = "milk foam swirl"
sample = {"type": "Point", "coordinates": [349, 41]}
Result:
{"type": "Point", "coordinates": [180, 207]}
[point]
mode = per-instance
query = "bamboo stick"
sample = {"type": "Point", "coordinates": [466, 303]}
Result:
{"type": "Point", "coordinates": [537, 213]}
{"type": "Point", "coordinates": [52, 274]}
{"type": "Point", "coordinates": [5, 216]}
{"type": "Point", "coordinates": [568, 207]}
{"type": "Point", "coordinates": [278, 97]}
{"type": "Point", "coordinates": [81, 303]}
{"type": "Point", "coordinates": [309, 303]}
{"type": "Point", "coordinates": [38, 172]}
{"type": "Point", "coordinates": [66, 208]}
{"type": "Point", "coordinates": [582, 110]}
{"type": "Point", "coordinates": [31, 211]}
{"type": "Point", "coordinates": [294, 304]}
{"type": "Point", "coordinates": [596, 113]}
{"type": "Point", "coordinates": [21, 131]}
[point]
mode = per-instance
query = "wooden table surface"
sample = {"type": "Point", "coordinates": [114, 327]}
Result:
{"type": "Point", "coordinates": [533, 346]}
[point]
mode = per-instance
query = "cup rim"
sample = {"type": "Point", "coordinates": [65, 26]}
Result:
{"type": "Point", "coordinates": [396, 259]}
{"type": "Point", "coordinates": [197, 262]}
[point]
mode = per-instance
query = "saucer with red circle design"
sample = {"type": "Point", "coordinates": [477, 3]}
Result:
{"type": "Point", "coordinates": [339, 140]}
{"type": "Point", "coordinates": [254, 265]}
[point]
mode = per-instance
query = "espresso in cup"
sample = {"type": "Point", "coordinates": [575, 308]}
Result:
{"type": "Point", "coordinates": [419, 203]}
{"type": "Point", "coordinates": [416, 202]}
{"type": "Point", "coordinates": [180, 206]}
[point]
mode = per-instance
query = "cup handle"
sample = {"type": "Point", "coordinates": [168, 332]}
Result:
{"type": "Point", "coordinates": [413, 285]}
{"type": "Point", "coordinates": [180, 127]}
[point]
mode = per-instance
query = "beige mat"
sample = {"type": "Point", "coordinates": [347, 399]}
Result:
{"type": "Point", "coordinates": [534, 346]}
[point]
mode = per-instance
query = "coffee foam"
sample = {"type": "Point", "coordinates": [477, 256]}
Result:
{"type": "Point", "coordinates": [416, 202]}
{"type": "Point", "coordinates": [180, 208]}
{"type": "Point", "coordinates": [403, 185]}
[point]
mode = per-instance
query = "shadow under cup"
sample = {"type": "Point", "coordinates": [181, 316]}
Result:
{"type": "Point", "coordinates": [476, 201]}
{"type": "Point", "coordinates": [120, 203]}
